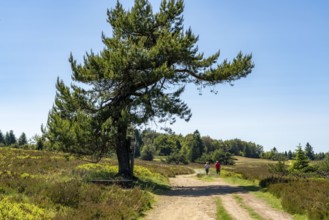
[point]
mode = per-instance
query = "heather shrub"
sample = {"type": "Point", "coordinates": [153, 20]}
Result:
{"type": "Point", "coordinates": [65, 193]}
{"type": "Point", "coordinates": [272, 180]}
{"type": "Point", "coordinates": [324, 166]}
{"type": "Point", "coordinates": [115, 203]}
{"type": "Point", "coordinates": [91, 193]}
{"type": "Point", "coordinates": [47, 185]}
{"type": "Point", "coordinates": [304, 196]}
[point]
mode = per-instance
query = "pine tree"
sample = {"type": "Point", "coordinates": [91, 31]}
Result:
{"type": "Point", "coordinates": [139, 76]}
{"type": "Point", "coordinates": [300, 161]}
{"type": "Point", "coordinates": [199, 143]}
{"type": "Point", "coordinates": [22, 139]}
{"type": "Point", "coordinates": [2, 139]}
{"type": "Point", "coordinates": [10, 138]}
{"type": "Point", "coordinates": [309, 151]}
{"type": "Point", "coordinates": [7, 138]}
{"type": "Point", "coordinates": [193, 146]}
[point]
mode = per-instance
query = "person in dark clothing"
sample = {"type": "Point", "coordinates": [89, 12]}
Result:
{"type": "Point", "coordinates": [206, 167]}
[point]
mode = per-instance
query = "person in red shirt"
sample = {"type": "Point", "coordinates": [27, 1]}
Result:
{"type": "Point", "coordinates": [217, 166]}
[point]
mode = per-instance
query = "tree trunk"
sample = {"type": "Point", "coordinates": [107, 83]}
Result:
{"type": "Point", "coordinates": [123, 151]}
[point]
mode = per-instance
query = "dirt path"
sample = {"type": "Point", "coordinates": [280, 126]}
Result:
{"type": "Point", "coordinates": [194, 199]}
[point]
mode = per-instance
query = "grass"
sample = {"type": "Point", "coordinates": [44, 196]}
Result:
{"type": "Point", "coordinates": [222, 214]}
{"type": "Point", "coordinates": [201, 174]}
{"type": "Point", "coordinates": [251, 212]}
{"type": "Point", "coordinates": [251, 168]}
{"type": "Point", "coordinates": [272, 200]}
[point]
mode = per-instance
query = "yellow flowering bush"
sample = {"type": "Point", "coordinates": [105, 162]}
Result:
{"type": "Point", "coordinates": [92, 171]}
{"type": "Point", "coordinates": [13, 210]}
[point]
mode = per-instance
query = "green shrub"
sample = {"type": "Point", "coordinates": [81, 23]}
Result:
{"type": "Point", "coordinates": [225, 158]}
{"type": "Point", "coordinates": [147, 153]}
{"type": "Point", "coordinates": [304, 196]}
{"type": "Point", "coordinates": [324, 166]}
{"type": "Point", "coordinates": [176, 158]}
{"type": "Point", "coordinates": [116, 203]}
{"type": "Point", "coordinates": [279, 168]}
{"type": "Point", "coordinates": [65, 193]}
{"type": "Point", "coordinates": [92, 193]}
{"type": "Point", "coordinates": [272, 180]}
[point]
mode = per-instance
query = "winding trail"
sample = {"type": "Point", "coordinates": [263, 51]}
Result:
{"type": "Point", "coordinates": [193, 199]}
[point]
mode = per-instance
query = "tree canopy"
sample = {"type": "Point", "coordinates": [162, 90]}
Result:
{"type": "Point", "coordinates": [139, 76]}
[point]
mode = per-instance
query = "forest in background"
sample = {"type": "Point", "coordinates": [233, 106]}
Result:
{"type": "Point", "coordinates": [176, 148]}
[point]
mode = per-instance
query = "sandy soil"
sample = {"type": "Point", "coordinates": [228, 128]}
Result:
{"type": "Point", "coordinates": [194, 199]}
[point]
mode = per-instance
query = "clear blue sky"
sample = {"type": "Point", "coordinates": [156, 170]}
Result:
{"type": "Point", "coordinates": [284, 102]}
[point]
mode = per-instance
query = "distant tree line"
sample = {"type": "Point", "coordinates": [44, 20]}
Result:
{"type": "Point", "coordinates": [9, 139]}
{"type": "Point", "coordinates": [196, 148]}
{"type": "Point", "coordinates": [182, 149]}
{"type": "Point", "coordinates": [193, 148]}
{"type": "Point", "coordinates": [274, 154]}
{"type": "Point", "coordinates": [300, 163]}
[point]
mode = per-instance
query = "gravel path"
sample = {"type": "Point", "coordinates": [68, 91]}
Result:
{"type": "Point", "coordinates": [193, 199]}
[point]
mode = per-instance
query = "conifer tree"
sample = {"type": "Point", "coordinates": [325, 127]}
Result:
{"type": "Point", "coordinates": [193, 146]}
{"type": "Point", "coordinates": [309, 151]}
{"type": "Point", "coordinates": [2, 138]}
{"type": "Point", "coordinates": [10, 138]}
{"type": "Point", "coordinates": [22, 139]}
{"type": "Point", "coordinates": [139, 76]}
{"type": "Point", "coordinates": [7, 139]}
{"type": "Point", "coordinates": [300, 159]}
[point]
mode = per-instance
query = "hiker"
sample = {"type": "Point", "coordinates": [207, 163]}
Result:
{"type": "Point", "coordinates": [217, 166]}
{"type": "Point", "coordinates": [206, 167]}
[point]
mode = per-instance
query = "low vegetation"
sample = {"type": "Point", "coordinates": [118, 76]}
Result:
{"type": "Point", "coordinates": [249, 209]}
{"type": "Point", "coordinates": [45, 185]}
{"type": "Point", "coordinates": [222, 214]}
{"type": "Point", "coordinates": [302, 196]}
{"type": "Point", "coordinates": [302, 192]}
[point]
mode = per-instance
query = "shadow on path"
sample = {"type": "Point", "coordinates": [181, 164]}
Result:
{"type": "Point", "coordinates": [195, 191]}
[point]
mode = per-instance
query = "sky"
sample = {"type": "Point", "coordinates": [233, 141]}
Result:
{"type": "Point", "coordinates": [284, 102]}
